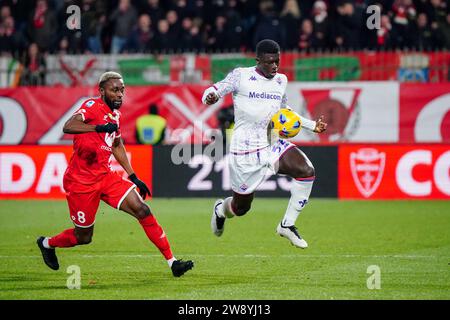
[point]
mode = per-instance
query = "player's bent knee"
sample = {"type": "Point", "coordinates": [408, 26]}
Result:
{"type": "Point", "coordinates": [241, 210]}
{"type": "Point", "coordinates": [309, 171]}
{"type": "Point", "coordinates": [304, 171]}
{"type": "Point", "coordinates": [142, 212]}
{"type": "Point", "coordinates": [84, 239]}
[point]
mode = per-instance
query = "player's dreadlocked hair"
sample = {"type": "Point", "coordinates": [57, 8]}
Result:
{"type": "Point", "coordinates": [107, 76]}
{"type": "Point", "coordinates": [267, 46]}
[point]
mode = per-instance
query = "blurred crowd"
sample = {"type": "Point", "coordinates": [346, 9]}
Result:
{"type": "Point", "coordinates": [125, 26]}
{"type": "Point", "coordinates": [30, 28]}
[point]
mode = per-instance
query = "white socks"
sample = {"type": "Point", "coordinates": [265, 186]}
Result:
{"type": "Point", "coordinates": [300, 191]}
{"type": "Point", "coordinates": [45, 243]}
{"type": "Point", "coordinates": [170, 261]}
{"type": "Point", "coordinates": [224, 210]}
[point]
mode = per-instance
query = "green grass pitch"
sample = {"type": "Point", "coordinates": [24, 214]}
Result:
{"type": "Point", "coordinates": [408, 240]}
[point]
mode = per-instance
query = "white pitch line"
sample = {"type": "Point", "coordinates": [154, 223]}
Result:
{"type": "Point", "coordinates": [300, 255]}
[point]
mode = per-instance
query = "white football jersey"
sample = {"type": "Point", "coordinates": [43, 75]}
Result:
{"type": "Point", "coordinates": [256, 99]}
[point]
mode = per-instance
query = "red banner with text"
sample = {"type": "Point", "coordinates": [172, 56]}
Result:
{"type": "Point", "coordinates": [394, 172]}
{"type": "Point", "coordinates": [37, 172]}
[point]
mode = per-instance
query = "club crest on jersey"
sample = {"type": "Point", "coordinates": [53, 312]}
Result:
{"type": "Point", "coordinates": [90, 103]}
{"type": "Point", "coordinates": [367, 166]}
{"type": "Point", "coordinates": [253, 78]}
{"type": "Point", "coordinates": [279, 81]}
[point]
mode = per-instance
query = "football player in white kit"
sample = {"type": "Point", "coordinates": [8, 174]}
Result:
{"type": "Point", "coordinates": [258, 93]}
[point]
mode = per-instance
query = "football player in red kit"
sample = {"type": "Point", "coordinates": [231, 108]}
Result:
{"type": "Point", "coordinates": [89, 178]}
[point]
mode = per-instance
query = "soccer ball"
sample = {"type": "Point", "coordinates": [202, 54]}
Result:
{"type": "Point", "coordinates": [286, 123]}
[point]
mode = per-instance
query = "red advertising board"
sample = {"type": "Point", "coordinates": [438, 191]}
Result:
{"type": "Point", "coordinates": [36, 172]}
{"type": "Point", "coordinates": [394, 172]}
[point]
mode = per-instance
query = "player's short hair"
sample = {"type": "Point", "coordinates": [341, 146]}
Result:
{"type": "Point", "coordinates": [108, 76]}
{"type": "Point", "coordinates": [267, 46]}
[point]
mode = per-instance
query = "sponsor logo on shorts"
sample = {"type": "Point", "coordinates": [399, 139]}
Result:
{"type": "Point", "coordinates": [243, 187]}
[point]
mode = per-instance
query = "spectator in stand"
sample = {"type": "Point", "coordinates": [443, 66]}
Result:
{"type": "Point", "coordinates": [423, 36]}
{"type": "Point", "coordinates": [20, 10]}
{"type": "Point", "coordinates": [42, 26]}
{"type": "Point", "coordinates": [384, 33]}
{"type": "Point", "coordinates": [437, 13]}
{"type": "Point", "coordinates": [269, 25]}
{"type": "Point", "coordinates": [124, 18]}
{"type": "Point", "coordinates": [174, 23]}
{"type": "Point", "coordinates": [218, 37]}
{"type": "Point", "coordinates": [219, 25]}
{"type": "Point", "coordinates": [249, 14]}
{"type": "Point", "coordinates": [93, 21]}
{"type": "Point", "coordinates": [154, 9]}
{"type": "Point", "coordinates": [306, 40]}
{"type": "Point", "coordinates": [234, 26]}
{"type": "Point", "coordinates": [196, 42]}
{"type": "Point", "coordinates": [165, 41]}
{"type": "Point", "coordinates": [347, 27]}
{"type": "Point", "coordinates": [5, 12]}
{"type": "Point", "coordinates": [404, 14]}
{"type": "Point", "coordinates": [438, 21]}
{"type": "Point", "coordinates": [34, 67]}
{"type": "Point", "coordinates": [63, 47]}
{"type": "Point", "coordinates": [190, 36]}
{"type": "Point", "coordinates": [321, 24]}
{"type": "Point", "coordinates": [95, 30]}
{"type": "Point", "coordinates": [141, 38]}
{"type": "Point", "coordinates": [290, 16]}
{"type": "Point", "coordinates": [12, 42]}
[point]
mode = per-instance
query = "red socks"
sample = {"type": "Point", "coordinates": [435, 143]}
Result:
{"type": "Point", "coordinates": [65, 239]}
{"type": "Point", "coordinates": [156, 235]}
{"type": "Point", "coordinates": [151, 227]}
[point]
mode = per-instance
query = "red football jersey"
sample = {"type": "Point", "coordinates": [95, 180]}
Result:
{"type": "Point", "coordinates": [92, 151]}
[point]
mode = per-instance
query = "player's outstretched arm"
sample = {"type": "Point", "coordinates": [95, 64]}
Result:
{"type": "Point", "coordinates": [119, 152]}
{"type": "Point", "coordinates": [222, 88]}
{"type": "Point", "coordinates": [76, 125]}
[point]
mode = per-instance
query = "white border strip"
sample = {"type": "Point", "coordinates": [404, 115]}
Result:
{"type": "Point", "coordinates": [84, 227]}
{"type": "Point", "coordinates": [125, 195]}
